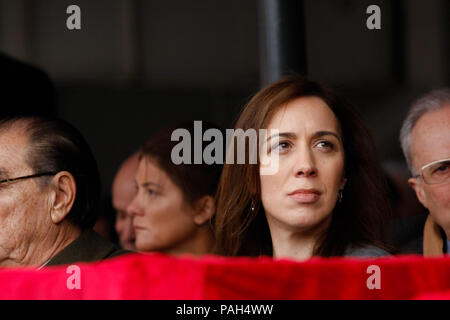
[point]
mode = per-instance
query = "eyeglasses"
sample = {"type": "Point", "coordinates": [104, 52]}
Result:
{"type": "Point", "coordinates": [37, 175]}
{"type": "Point", "coordinates": [436, 172]}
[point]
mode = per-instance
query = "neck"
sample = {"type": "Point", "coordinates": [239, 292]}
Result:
{"type": "Point", "coordinates": [66, 234]}
{"type": "Point", "coordinates": [293, 246]}
{"type": "Point", "coordinates": [296, 244]}
{"type": "Point", "coordinates": [445, 225]}
{"type": "Point", "coordinates": [44, 248]}
{"type": "Point", "coordinates": [447, 233]}
{"type": "Point", "coordinates": [201, 243]}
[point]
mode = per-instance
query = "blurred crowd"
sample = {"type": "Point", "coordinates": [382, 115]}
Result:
{"type": "Point", "coordinates": [329, 195]}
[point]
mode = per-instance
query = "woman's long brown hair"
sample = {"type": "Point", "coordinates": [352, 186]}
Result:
{"type": "Point", "coordinates": [239, 230]}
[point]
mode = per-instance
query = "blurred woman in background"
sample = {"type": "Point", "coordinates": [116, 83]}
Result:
{"type": "Point", "coordinates": [174, 203]}
{"type": "Point", "coordinates": [327, 197]}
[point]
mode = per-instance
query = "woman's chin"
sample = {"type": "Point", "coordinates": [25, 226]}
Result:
{"type": "Point", "coordinates": [303, 219]}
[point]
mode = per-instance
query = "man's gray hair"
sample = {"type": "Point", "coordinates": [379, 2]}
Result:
{"type": "Point", "coordinates": [432, 101]}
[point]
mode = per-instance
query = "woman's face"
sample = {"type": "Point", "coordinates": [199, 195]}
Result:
{"type": "Point", "coordinates": [304, 191]}
{"type": "Point", "coordinates": [163, 220]}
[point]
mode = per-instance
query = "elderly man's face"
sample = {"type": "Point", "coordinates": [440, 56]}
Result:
{"type": "Point", "coordinates": [24, 218]}
{"type": "Point", "coordinates": [123, 192]}
{"type": "Point", "coordinates": [431, 142]}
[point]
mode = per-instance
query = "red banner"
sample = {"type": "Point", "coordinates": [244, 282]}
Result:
{"type": "Point", "coordinates": [161, 277]}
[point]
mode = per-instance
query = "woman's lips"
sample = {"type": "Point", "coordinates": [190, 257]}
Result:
{"type": "Point", "coordinates": [305, 196]}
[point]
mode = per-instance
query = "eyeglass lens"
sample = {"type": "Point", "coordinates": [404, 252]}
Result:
{"type": "Point", "coordinates": [437, 173]}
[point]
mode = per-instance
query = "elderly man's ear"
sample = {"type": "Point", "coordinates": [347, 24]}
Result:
{"type": "Point", "coordinates": [413, 183]}
{"type": "Point", "coordinates": [63, 190]}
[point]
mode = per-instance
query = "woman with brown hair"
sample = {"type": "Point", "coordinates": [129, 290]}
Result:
{"type": "Point", "coordinates": [326, 198]}
{"type": "Point", "coordinates": [174, 202]}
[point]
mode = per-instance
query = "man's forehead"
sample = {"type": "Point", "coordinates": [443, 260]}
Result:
{"type": "Point", "coordinates": [4, 172]}
{"type": "Point", "coordinates": [13, 145]}
{"type": "Point", "coordinates": [430, 137]}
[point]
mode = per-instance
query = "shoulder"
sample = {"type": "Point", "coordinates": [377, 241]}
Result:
{"type": "Point", "coordinates": [98, 247]}
{"type": "Point", "coordinates": [366, 251]}
{"type": "Point", "coordinates": [89, 247]}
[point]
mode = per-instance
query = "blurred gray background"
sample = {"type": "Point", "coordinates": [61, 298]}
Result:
{"type": "Point", "coordinates": [136, 66]}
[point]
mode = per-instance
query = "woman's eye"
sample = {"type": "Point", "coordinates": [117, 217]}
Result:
{"type": "Point", "coordinates": [326, 145]}
{"type": "Point", "coordinates": [281, 147]}
{"type": "Point", "coordinates": [151, 192]}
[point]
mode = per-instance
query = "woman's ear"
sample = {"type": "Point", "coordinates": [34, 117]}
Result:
{"type": "Point", "coordinates": [342, 186]}
{"type": "Point", "coordinates": [204, 210]}
{"type": "Point", "coordinates": [63, 193]}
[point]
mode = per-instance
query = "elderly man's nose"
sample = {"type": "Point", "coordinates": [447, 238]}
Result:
{"type": "Point", "coordinates": [129, 229]}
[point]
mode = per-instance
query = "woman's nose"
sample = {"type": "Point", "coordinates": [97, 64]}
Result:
{"type": "Point", "coordinates": [133, 208]}
{"type": "Point", "coordinates": [306, 172]}
{"type": "Point", "coordinates": [305, 165]}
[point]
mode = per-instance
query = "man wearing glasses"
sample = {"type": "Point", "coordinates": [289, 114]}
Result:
{"type": "Point", "coordinates": [49, 190]}
{"type": "Point", "coordinates": [425, 139]}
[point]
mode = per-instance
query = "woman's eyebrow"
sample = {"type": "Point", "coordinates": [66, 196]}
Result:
{"type": "Point", "coordinates": [150, 184]}
{"type": "Point", "coordinates": [289, 135]}
{"type": "Point", "coordinates": [320, 134]}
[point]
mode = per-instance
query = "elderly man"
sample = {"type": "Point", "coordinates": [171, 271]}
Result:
{"type": "Point", "coordinates": [425, 139]}
{"type": "Point", "coordinates": [123, 192]}
{"type": "Point", "coordinates": [49, 189]}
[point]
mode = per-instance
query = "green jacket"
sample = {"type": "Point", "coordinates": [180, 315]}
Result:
{"type": "Point", "coordinates": [88, 247]}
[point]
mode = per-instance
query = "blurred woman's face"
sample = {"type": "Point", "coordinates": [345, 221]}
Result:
{"type": "Point", "coordinates": [163, 220]}
{"type": "Point", "coordinates": [304, 191]}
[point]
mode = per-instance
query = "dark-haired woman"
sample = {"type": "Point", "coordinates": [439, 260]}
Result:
{"type": "Point", "coordinates": [326, 197]}
{"type": "Point", "coordinates": [174, 202]}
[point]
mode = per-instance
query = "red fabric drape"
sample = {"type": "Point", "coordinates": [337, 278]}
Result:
{"type": "Point", "coordinates": [161, 277]}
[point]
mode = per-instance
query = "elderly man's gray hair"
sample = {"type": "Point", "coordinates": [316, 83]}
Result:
{"type": "Point", "coordinates": [431, 101]}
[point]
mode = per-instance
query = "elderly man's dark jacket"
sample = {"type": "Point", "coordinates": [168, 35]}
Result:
{"type": "Point", "coordinates": [88, 247]}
